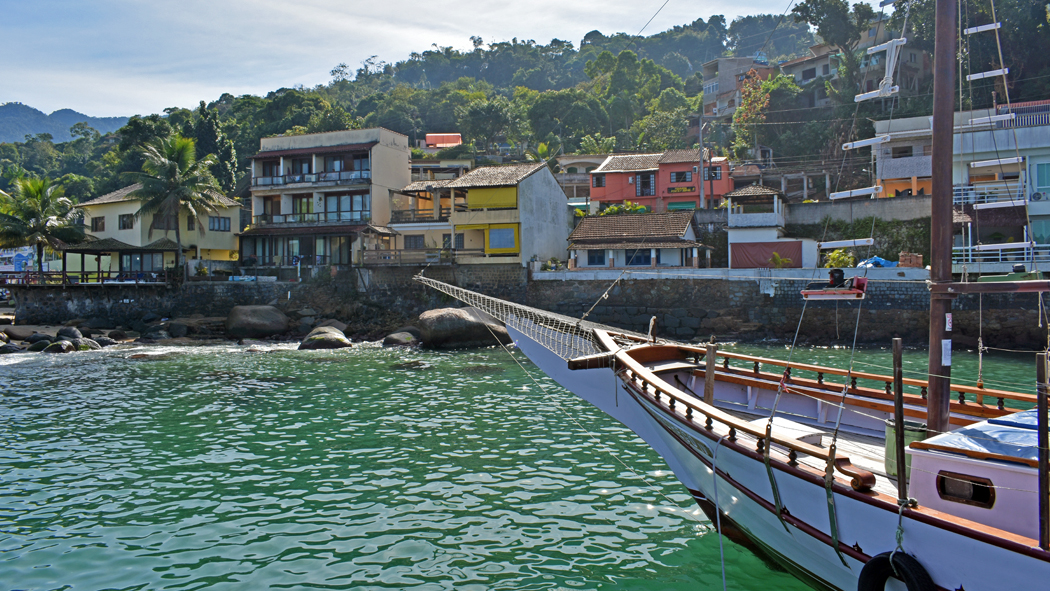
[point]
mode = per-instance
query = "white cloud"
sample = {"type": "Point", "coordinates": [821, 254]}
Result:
{"type": "Point", "coordinates": [120, 57]}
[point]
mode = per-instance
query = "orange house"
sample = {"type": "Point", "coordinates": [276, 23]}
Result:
{"type": "Point", "coordinates": [662, 182]}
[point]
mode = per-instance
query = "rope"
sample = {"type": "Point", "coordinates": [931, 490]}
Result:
{"type": "Point", "coordinates": [902, 503]}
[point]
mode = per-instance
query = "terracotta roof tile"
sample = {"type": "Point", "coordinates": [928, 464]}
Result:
{"type": "Point", "coordinates": [633, 227]}
{"type": "Point", "coordinates": [647, 244]}
{"type": "Point", "coordinates": [754, 190]}
{"type": "Point", "coordinates": [418, 186]}
{"type": "Point", "coordinates": [688, 155]}
{"type": "Point", "coordinates": [125, 195]}
{"type": "Point", "coordinates": [629, 162]}
{"type": "Point", "coordinates": [496, 176]}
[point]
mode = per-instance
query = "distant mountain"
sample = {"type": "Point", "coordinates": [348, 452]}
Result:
{"type": "Point", "coordinates": [18, 120]}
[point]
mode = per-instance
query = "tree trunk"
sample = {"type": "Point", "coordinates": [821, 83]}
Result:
{"type": "Point", "coordinates": [40, 260]}
{"type": "Point", "coordinates": [178, 253]}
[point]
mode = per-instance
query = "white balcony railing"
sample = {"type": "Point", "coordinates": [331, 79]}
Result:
{"type": "Point", "coordinates": [989, 193]}
{"type": "Point", "coordinates": [756, 220]}
{"type": "Point", "coordinates": [970, 255]}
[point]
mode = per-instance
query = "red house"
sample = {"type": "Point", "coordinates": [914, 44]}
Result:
{"type": "Point", "coordinates": [662, 182]}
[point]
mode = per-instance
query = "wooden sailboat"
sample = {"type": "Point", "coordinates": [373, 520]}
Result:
{"type": "Point", "coordinates": [789, 456]}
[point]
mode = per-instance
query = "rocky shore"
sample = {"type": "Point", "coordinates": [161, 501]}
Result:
{"type": "Point", "coordinates": [444, 328]}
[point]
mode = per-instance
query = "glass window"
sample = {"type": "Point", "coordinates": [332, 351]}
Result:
{"type": "Point", "coordinates": [446, 241]}
{"type": "Point", "coordinates": [218, 224]}
{"type": "Point", "coordinates": [598, 180]}
{"type": "Point", "coordinates": [595, 257]}
{"type": "Point", "coordinates": [825, 70]}
{"type": "Point", "coordinates": [98, 224]}
{"type": "Point", "coordinates": [271, 168]}
{"type": "Point", "coordinates": [1042, 177]}
{"type": "Point", "coordinates": [638, 257]}
{"type": "Point", "coordinates": [713, 172]}
{"type": "Point", "coordinates": [902, 152]}
{"type": "Point", "coordinates": [501, 238]}
{"type": "Point", "coordinates": [164, 223]}
{"type": "Point", "coordinates": [809, 74]}
{"type": "Point", "coordinates": [191, 223]}
{"type": "Point", "coordinates": [682, 177]}
{"type": "Point", "coordinates": [414, 241]}
{"type": "Point", "coordinates": [571, 170]}
{"type": "Point", "coordinates": [333, 163]}
{"type": "Point", "coordinates": [127, 221]}
{"type": "Point", "coordinates": [645, 185]}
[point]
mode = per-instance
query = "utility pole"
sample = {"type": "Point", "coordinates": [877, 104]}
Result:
{"type": "Point", "coordinates": [700, 178]}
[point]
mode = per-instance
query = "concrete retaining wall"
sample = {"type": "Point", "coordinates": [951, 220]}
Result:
{"type": "Point", "coordinates": [896, 208]}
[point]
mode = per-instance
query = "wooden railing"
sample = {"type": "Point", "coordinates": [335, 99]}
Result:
{"type": "Point", "coordinates": [649, 385]}
{"type": "Point", "coordinates": [421, 256]}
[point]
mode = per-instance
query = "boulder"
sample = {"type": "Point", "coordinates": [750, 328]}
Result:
{"type": "Point", "coordinates": [459, 328]}
{"type": "Point", "coordinates": [399, 339]}
{"type": "Point", "coordinates": [9, 348]}
{"type": "Point", "coordinates": [41, 345]}
{"type": "Point", "coordinates": [39, 336]}
{"type": "Point", "coordinates": [85, 345]}
{"type": "Point", "coordinates": [99, 324]}
{"type": "Point", "coordinates": [18, 333]}
{"type": "Point", "coordinates": [105, 342]}
{"type": "Point", "coordinates": [75, 322]}
{"type": "Point", "coordinates": [158, 334]}
{"type": "Point", "coordinates": [4, 338]}
{"type": "Point", "coordinates": [310, 320]}
{"type": "Point", "coordinates": [178, 330]}
{"type": "Point", "coordinates": [60, 347]}
{"type": "Point", "coordinates": [253, 322]}
{"type": "Point", "coordinates": [306, 312]}
{"type": "Point", "coordinates": [334, 324]}
{"type": "Point", "coordinates": [149, 317]}
{"type": "Point", "coordinates": [325, 337]}
{"type": "Point", "coordinates": [119, 335]}
{"type": "Point", "coordinates": [69, 332]}
{"type": "Point", "coordinates": [412, 331]}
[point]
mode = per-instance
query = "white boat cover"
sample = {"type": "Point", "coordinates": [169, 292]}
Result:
{"type": "Point", "coordinates": [1011, 435]}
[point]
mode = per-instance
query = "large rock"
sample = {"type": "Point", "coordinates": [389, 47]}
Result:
{"type": "Point", "coordinates": [9, 348]}
{"type": "Point", "coordinates": [85, 345]}
{"type": "Point", "coordinates": [100, 323]}
{"type": "Point", "coordinates": [4, 338]}
{"type": "Point", "coordinates": [18, 333]}
{"type": "Point", "coordinates": [325, 337]}
{"type": "Point", "coordinates": [253, 322]}
{"type": "Point", "coordinates": [69, 332]}
{"type": "Point", "coordinates": [106, 342]}
{"type": "Point", "coordinates": [459, 328]}
{"type": "Point", "coordinates": [60, 347]}
{"type": "Point", "coordinates": [399, 339]}
{"type": "Point", "coordinates": [36, 337]}
{"type": "Point", "coordinates": [178, 330]}
{"type": "Point", "coordinates": [412, 331]}
{"type": "Point", "coordinates": [41, 345]}
{"type": "Point", "coordinates": [334, 324]}
{"type": "Point", "coordinates": [119, 335]}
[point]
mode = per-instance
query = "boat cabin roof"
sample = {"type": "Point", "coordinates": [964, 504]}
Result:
{"type": "Point", "coordinates": [1010, 436]}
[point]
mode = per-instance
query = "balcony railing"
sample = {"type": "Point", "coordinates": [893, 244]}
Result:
{"type": "Point", "coordinates": [423, 256]}
{"type": "Point", "coordinates": [756, 220]}
{"type": "Point", "coordinates": [86, 278]}
{"type": "Point", "coordinates": [990, 193]}
{"type": "Point", "coordinates": [969, 255]}
{"type": "Point", "coordinates": [1027, 114]}
{"type": "Point", "coordinates": [308, 260]}
{"type": "Point", "coordinates": [344, 177]}
{"type": "Point", "coordinates": [330, 217]}
{"type": "Point", "coordinates": [408, 216]}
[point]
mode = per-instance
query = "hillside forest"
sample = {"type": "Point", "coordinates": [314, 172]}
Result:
{"type": "Point", "coordinates": [523, 99]}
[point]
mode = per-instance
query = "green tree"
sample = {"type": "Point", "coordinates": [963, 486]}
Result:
{"type": "Point", "coordinates": [210, 138]}
{"type": "Point", "coordinates": [173, 180]}
{"type": "Point", "coordinates": [754, 99]}
{"type": "Point", "coordinates": [38, 214]}
{"type": "Point", "coordinates": [485, 120]}
{"type": "Point", "coordinates": [661, 130]}
{"type": "Point", "coordinates": [841, 27]}
{"type": "Point", "coordinates": [596, 144]}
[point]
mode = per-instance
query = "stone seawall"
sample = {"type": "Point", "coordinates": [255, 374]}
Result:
{"type": "Point", "coordinates": [122, 305]}
{"type": "Point", "coordinates": [690, 309]}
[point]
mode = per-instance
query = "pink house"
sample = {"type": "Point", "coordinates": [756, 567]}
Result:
{"type": "Point", "coordinates": [662, 182]}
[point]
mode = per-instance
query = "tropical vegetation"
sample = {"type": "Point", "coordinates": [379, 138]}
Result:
{"type": "Point", "coordinates": [37, 213]}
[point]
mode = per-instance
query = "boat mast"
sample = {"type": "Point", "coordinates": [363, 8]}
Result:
{"type": "Point", "coordinates": [938, 393]}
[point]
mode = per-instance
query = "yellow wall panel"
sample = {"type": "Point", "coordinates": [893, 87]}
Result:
{"type": "Point", "coordinates": [492, 197]}
{"type": "Point", "coordinates": [501, 246]}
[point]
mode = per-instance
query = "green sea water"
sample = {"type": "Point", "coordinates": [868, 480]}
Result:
{"type": "Point", "coordinates": [369, 468]}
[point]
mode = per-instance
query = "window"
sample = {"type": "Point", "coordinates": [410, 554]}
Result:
{"type": "Point", "coordinates": [638, 257]}
{"type": "Point", "coordinates": [712, 173]}
{"type": "Point", "coordinates": [333, 163]}
{"type": "Point", "coordinates": [414, 241]}
{"type": "Point", "coordinates": [809, 74]}
{"type": "Point", "coordinates": [913, 58]}
{"type": "Point", "coordinates": [138, 263]}
{"type": "Point", "coordinates": [98, 224]}
{"type": "Point", "coordinates": [126, 221]}
{"type": "Point", "coordinates": [1042, 177]}
{"type": "Point", "coordinates": [968, 490]}
{"type": "Point", "coordinates": [301, 166]}
{"type": "Point", "coordinates": [191, 223]}
{"type": "Point", "coordinates": [571, 170]}
{"type": "Point", "coordinates": [218, 224]}
{"type": "Point", "coordinates": [165, 223]}
{"type": "Point", "coordinates": [682, 177]}
{"type": "Point", "coordinates": [873, 32]}
{"type": "Point", "coordinates": [446, 241]}
{"type": "Point", "coordinates": [825, 70]}
{"type": "Point", "coordinates": [595, 258]}
{"type": "Point", "coordinates": [590, 168]}
{"type": "Point", "coordinates": [302, 208]}
{"type": "Point", "coordinates": [902, 152]}
{"type": "Point", "coordinates": [598, 180]}
{"type": "Point", "coordinates": [271, 168]}
{"type": "Point", "coordinates": [502, 239]}
{"type": "Point", "coordinates": [645, 185]}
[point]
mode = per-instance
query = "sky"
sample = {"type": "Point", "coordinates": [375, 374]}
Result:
{"type": "Point", "coordinates": [125, 57]}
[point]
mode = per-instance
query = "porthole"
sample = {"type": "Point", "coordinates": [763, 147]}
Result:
{"type": "Point", "coordinates": [969, 490]}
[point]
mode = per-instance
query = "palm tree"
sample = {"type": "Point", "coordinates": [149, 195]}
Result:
{"type": "Point", "coordinates": [37, 213]}
{"type": "Point", "coordinates": [173, 180]}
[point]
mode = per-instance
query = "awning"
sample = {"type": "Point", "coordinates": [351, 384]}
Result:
{"type": "Point", "coordinates": [317, 150]}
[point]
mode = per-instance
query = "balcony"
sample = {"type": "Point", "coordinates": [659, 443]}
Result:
{"type": "Point", "coordinates": [756, 220]}
{"type": "Point", "coordinates": [348, 177]}
{"type": "Point", "coordinates": [905, 168]}
{"type": "Point", "coordinates": [993, 192]}
{"type": "Point", "coordinates": [425, 256]}
{"type": "Point", "coordinates": [999, 260]}
{"type": "Point", "coordinates": [331, 218]}
{"type": "Point", "coordinates": [419, 216]}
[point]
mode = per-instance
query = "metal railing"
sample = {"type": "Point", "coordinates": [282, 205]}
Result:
{"type": "Point", "coordinates": [312, 218]}
{"type": "Point", "coordinates": [970, 254]}
{"type": "Point", "coordinates": [346, 176]}
{"type": "Point", "coordinates": [421, 256]}
{"type": "Point", "coordinates": [87, 277]}
{"type": "Point", "coordinates": [287, 260]}
{"type": "Point", "coordinates": [990, 193]}
{"type": "Point", "coordinates": [1026, 114]}
{"type": "Point", "coordinates": [404, 216]}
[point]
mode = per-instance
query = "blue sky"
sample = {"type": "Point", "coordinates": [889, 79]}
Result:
{"type": "Point", "coordinates": [125, 57]}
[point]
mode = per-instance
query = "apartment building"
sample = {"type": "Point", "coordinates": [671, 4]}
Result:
{"type": "Point", "coordinates": [665, 181]}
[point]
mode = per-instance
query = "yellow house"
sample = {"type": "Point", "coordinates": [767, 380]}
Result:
{"type": "Point", "coordinates": [112, 216]}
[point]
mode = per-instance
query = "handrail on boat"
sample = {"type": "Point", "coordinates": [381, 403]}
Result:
{"type": "Point", "coordinates": [860, 480]}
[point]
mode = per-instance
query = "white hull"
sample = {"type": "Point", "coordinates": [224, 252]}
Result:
{"type": "Point", "coordinates": [951, 553]}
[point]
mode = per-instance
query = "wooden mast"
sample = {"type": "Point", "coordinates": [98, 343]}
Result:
{"type": "Point", "coordinates": [939, 394]}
